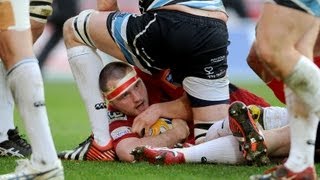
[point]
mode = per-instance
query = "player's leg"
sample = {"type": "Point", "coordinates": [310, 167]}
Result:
{"type": "Point", "coordinates": [205, 78]}
{"type": "Point", "coordinates": [11, 143]}
{"type": "Point", "coordinates": [40, 10]}
{"type": "Point", "coordinates": [83, 34]}
{"type": "Point", "coordinates": [293, 66]}
{"type": "Point", "coordinates": [222, 150]}
{"type": "Point", "coordinates": [27, 91]}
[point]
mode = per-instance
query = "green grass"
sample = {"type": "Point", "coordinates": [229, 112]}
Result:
{"type": "Point", "coordinates": [69, 125]}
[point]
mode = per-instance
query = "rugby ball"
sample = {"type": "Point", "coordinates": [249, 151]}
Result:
{"type": "Point", "coordinates": [161, 126]}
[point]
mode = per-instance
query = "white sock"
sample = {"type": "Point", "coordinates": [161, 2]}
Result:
{"type": "Point", "coordinates": [201, 129]}
{"type": "Point", "coordinates": [6, 106]}
{"type": "Point", "coordinates": [304, 81]}
{"type": "Point", "coordinates": [218, 129]}
{"type": "Point", "coordinates": [26, 84]}
{"type": "Point", "coordinates": [302, 133]}
{"type": "Point", "coordinates": [274, 117]}
{"type": "Point", "coordinates": [222, 150]}
{"type": "Point", "coordinates": [86, 66]}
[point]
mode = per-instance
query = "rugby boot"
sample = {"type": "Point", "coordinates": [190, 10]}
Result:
{"type": "Point", "coordinates": [89, 150]}
{"type": "Point", "coordinates": [15, 146]}
{"type": "Point", "coordinates": [163, 156]}
{"type": "Point", "coordinates": [281, 172]}
{"type": "Point", "coordinates": [25, 170]}
{"type": "Point", "coordinates": [249, 136]}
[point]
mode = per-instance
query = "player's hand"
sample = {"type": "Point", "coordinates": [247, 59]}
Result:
{"type": "Point", "coordinates": [107, 5]}
{"type": "Point", "coordinates": [181, 128]}
{"type": "Point", "coordinates": [143, 122]}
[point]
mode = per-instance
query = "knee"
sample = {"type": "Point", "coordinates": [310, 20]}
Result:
{"type": "Point", "coordinates": [266, 52]}
{"type": "Point", "coordinates": [252, 58]}
{"type": "Point", "coordinates": [68, 34]}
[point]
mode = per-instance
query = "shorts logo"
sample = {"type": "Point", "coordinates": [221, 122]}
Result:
{"type": "Point", "coordinates": [211, 74]}
{"type": "Point", "coordinates": [209, 70]}
{"type": "Point", "coordinates": [218, 59]}
{"type": "Point", "coordinates": [214, 70]}
{"type": "Point", "coordinates": [116, 116]}
{"type": "Point", "coordinates": [120, 131]}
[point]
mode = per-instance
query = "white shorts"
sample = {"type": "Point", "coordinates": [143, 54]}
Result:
{"type": "Point", "coordinates": [212, 91]}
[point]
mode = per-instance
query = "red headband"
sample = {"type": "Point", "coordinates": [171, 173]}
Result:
{"type": "Point", "coordinates": [124, 84]}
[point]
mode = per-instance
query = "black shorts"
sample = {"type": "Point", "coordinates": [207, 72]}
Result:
{"type": "Point", "coordinates": [187, 44]}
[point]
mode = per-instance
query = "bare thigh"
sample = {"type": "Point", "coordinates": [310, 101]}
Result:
{"type": "Point", "coordinates": [282, 27]}
{"type": "Point", "coordinates": [11, 43]}
{"type": "Point", "coordinates": [283, 35]}
{"type": "Point", "coordinates": [101, 37]}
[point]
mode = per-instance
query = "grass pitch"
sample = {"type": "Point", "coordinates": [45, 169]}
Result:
{"type": "Point", "coordinates": [69, 126]}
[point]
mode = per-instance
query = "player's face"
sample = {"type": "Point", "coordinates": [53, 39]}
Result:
{"type": "Point", "coordinates": [133, 101]}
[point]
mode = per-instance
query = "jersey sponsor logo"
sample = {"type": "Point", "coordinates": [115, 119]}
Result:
{"type": "Point", "coordinates": [120, 131]}
{"type": "Point", "coordinates": [116, 116]}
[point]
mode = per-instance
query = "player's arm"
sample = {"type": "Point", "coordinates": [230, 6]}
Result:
{"type": "Point", "coordinates": [177, 109]}
{"type": "Point", "coordinates": [107, 5]}
{"type": "Point", "coordinates": [177, 134]}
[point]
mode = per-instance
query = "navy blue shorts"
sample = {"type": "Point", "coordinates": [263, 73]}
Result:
{"type": "Point", "coordinates": [187, 44]}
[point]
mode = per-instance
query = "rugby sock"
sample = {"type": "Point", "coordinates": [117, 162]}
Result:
{"type": "Point", "coordinates": [26, 84]}
{"type": "Point", "coordinates": [304, 81]}
{"type": "Point", "coordinates": [86, 65]}
{"type": "Point", "coordinates": [200, 130]}
{"type": "Point", "coordinates": [274, 117]}
{"type": "Point", "coordinates": [222, 150]}
{"type": "Point", "coordinates": [6, 106]}
{"type": "Point", "coordinates": [218, 129]}
{"type": "Point", "coordinates": [303, 129]}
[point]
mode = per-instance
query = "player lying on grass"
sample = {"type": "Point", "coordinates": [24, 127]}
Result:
{"type": "Point", "coordinates": [130, 97]}
{"type": "Point", "coordinates": [268, 118]}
